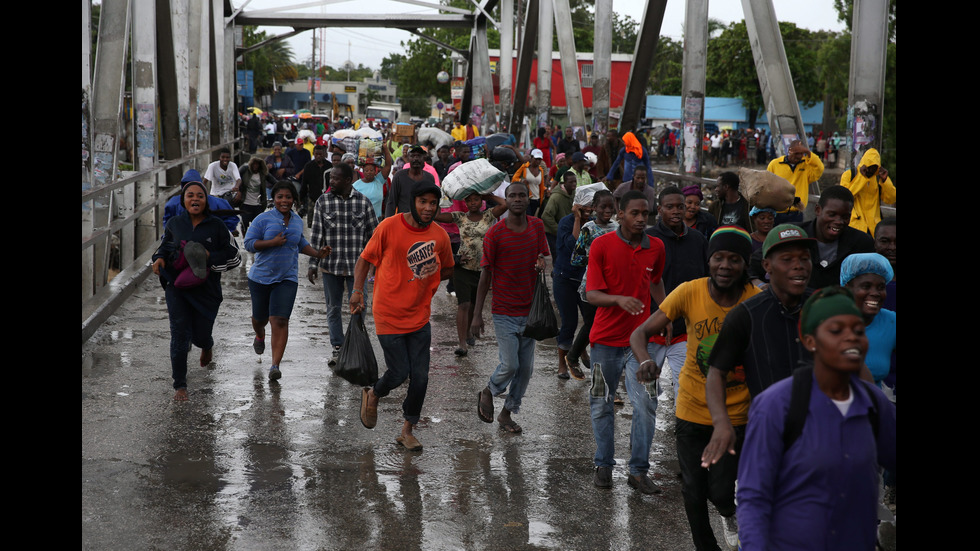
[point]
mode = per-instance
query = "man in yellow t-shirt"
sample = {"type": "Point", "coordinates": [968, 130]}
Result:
{"type": "Point", "coordinates": [704, 303]}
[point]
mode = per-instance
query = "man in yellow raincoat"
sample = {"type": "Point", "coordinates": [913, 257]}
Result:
{"type": "Point", "coordinates": [801, 168]}
{"type": "Point", "coordinates": [871, 187]}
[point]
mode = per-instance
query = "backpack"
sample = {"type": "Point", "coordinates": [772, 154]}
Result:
{"type": "Point", "coordinates": [799, 406]}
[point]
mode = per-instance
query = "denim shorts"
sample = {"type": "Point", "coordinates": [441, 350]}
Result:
{"type": "Point", "coordinates": [274, 299]}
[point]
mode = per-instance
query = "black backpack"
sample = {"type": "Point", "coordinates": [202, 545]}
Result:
{"type": "Point", "coordinates": [799, 406]}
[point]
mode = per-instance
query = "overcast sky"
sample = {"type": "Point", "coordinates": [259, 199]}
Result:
{"type": "Point", "coordinates": [370, 46]}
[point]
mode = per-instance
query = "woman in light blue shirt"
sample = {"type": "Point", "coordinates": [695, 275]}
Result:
{"type": "Point", "coordinates": [276, 238]}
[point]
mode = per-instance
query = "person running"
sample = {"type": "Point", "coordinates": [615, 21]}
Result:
{"type": "Point", "coordinates": [196, 247]}
{"type": "Point", "coordinates": [819, 489]}
{"type": "Point", "coordinates": [344, 220]}
{"type": "Point", "coordinates": [625, 269]}
{"type": "Point", "coordinates": [513, 253]}
{"type": "Point", "coordinates": [276, 238]}
{"type": "Point", "coordinates": [866, 275]}
{"type": "Point", "coordinates": [411, 256]}
{"type": "Point", "coordinates": [473, 225]}
{"type": "Point", "coordinates": [703, 304]}
{"type": "Point", "coordinates": [603, 210]}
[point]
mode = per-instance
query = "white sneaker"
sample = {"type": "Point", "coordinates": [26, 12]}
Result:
{"type": "Point", "coordinates": [730, 526]}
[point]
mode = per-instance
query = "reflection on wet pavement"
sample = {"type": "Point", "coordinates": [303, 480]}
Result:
{"type": "Point", "coordinates": [249, 464]}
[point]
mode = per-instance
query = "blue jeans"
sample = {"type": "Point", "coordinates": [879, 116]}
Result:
{"type": "Point", "coordinates": [406, 357]}
{"type": "Point", "coordinates": [608, 363]}
{"type": "Point", "coordinates": [333, 292]}
{"type": "Point", "coordinates": [568, 302]}
{"type": "Point", "coordinates": [516, 360]}
{"type": "Point", "coordinates": [677, 354]}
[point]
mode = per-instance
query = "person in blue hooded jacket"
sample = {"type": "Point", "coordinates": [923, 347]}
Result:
{"type": "Point", "coordinates": [218, 206]}
{"type": "Point", "coordinates": [196, 247]}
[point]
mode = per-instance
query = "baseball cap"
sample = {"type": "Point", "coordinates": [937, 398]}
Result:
{"type": "Point", "coordinates": [785, 233]}
{"type": "Point", "coordinates": [537, 154]}
{"type": "Point", "coordinates": [578, 156]}
{"type": "Point", "coordinates": [417, 149]}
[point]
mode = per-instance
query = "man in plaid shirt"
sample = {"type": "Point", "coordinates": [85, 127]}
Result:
{"type": "Point", "coordinates": [344, 220]}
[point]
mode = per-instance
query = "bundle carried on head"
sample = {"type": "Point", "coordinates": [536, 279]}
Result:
{"type": "Point", "coordinates": [762, 188]}
{"type": "Point", "coordinates": [434, 138]}
{"type": "Point", "coordinates": [477, 176]}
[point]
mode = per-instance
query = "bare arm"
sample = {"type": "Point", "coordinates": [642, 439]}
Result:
{"type": "Point", "coordinates": [723, 434]}
{"type": "Point", "coordinates": [481, 296]}
{"type": "Point", "coordinates": [360, 275]}
{"type": "Point", "coordinates": [649, 370]}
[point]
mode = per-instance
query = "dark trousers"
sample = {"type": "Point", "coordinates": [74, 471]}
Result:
{"type": "Point", "coordinates": [406, 357]}
{"type": "Point", "coordinates": [187, 326]}
{"type": "Point", "coordinates": [581, 341]}
{"type": "Point", "coordinates": [569, 304]}
{"type": "Point", "coordinates": [249, 212]}
{"type": "Point", "coordinates": [699, 485]}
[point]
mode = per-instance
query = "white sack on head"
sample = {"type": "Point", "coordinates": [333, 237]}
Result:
{"type": "Point", "coordinates": [584, 194]}
{"type": "Point", "coordinates": [434, 138]}
{"type": "Point", "coordinates": [762, 188]}
{"type": "Point", "coordinates": [477, 176]}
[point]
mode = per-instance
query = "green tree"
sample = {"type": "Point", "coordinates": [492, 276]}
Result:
{"type": "Point", "coordinates": [731, 67]}
{"type": "Point", "coordinates": [668, 68]}
{"type": "Point", "coordinates": [271, 63]}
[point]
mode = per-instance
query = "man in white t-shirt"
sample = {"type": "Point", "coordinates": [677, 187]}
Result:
{"type": "Point", "coordinates": [270, 133]}
{"type": "Point", "coordinates": [715, 147]}
{"type": "Point", "coordinates": [222, 178]}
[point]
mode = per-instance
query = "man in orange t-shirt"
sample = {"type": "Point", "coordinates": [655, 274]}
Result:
{"type": "Point", "coordinates": [411, 256]}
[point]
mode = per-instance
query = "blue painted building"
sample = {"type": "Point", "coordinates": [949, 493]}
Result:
{"type": "Point", "coordinates": [725, 112]}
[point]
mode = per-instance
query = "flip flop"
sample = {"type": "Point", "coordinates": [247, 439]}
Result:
{"type": "Point", "coordinates": [484, 408]}
{"type": "Point", "coordinates": [409, 442]}
{"type": "Point", "coordinates": [576, 373]}
{"type": "Point", "coordinates": [563, 376]}
{"type": "Point", "coordinates": [511, 427]}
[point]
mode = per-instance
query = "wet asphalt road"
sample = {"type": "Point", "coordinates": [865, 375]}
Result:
{"type": "Point", "coordinates": [249, 464]}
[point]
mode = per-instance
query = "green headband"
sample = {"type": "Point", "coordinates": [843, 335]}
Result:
{"type": "Point", "coordinates": [825, 304]}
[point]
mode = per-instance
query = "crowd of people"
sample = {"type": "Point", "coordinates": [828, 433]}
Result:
{"type": "Point", "coordinates": [744, 304]}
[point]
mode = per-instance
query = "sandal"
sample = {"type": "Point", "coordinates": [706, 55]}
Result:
{"type": "Point", "coordinates": [484, 408]}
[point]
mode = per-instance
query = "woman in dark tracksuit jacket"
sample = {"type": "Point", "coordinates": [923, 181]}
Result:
{"type": "Point", "coordinates": [193, 310]}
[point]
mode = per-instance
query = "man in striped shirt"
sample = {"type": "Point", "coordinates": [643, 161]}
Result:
{"type": "Point", "coordinates": [344, 220]}
{"type": "Point", "coordinates": [513, 254]}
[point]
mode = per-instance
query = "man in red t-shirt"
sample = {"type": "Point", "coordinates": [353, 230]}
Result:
{"type": "Point", "coordinates": [513, 254]}
{"type": "Point", "coordinates": [411, 256]}
{"type": "Point", "coordinates": [625, 269]}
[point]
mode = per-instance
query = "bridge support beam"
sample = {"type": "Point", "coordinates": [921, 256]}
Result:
{"type": "Point", "coordinates": [866, 86]}
{"type": "Point", "coordinates": [643, 56]}
{"type": "Point", "coordinates": [693, 84]}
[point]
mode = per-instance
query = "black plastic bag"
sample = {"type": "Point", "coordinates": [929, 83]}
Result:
{"type": "Point", "coordinates": [542, 323]}
{"type": "Point", "coordinates": [356, 363]}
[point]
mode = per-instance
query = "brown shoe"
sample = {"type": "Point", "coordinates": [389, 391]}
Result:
{"type": "Point", "coordinates": [409, 442]}
{"type": "Point", "coordinates": [369, 414]}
